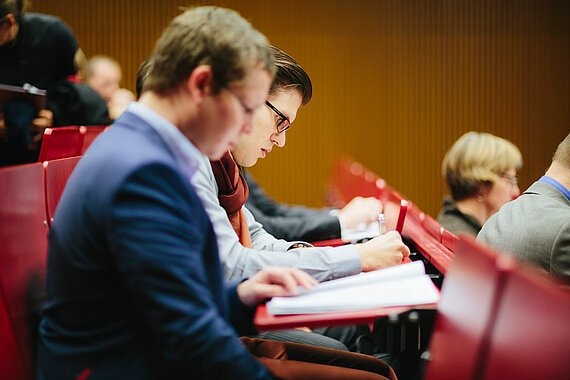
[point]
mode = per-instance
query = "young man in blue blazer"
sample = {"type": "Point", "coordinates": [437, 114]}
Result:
{"type": "Point", "coordinates": [134, 284]}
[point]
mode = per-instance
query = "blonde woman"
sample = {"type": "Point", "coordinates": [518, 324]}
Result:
{"type": "Point", "coordinates": [480, 170]}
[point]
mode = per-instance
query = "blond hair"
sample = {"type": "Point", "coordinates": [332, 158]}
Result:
{"type": "Point", "coordinates": [212, 36]}
{"type": "Point", "coordinates": [475, 162]}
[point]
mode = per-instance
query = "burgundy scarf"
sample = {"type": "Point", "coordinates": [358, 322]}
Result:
{"type": "Point", "coordinates": [232, 193]}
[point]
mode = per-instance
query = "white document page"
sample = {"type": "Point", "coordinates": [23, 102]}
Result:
{"type": "Point", "coordinates": [402, 285]}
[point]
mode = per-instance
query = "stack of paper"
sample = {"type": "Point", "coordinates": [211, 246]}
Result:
{"type": "Point", "coordinates": [401, 285]}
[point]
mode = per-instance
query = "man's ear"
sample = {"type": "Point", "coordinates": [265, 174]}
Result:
{"type": "Point", "coordinates": [200, 82]}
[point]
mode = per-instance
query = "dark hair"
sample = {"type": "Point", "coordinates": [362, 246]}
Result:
{"type": "Point", "coordinates": [142, 74]}
{"type": "Point", "coordinates": [13, 7]}
{"type": "Point", "coordinates": [290, 75]}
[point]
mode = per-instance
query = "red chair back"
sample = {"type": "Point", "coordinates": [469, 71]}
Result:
{"type": "Point", "coordinates": [23, 233]}
{"type": "Point", "coordinates": [468, 302]}
{"type": "Point", "coordinates": [11, 365]}
{"type": "Point", "coordinates": [61, 142]}
{"type": "Point", "coordinates": [433, 227]}
{"type": "Point", "coordinates": [57, 173]}
{"type": "Point", "coordinates": [91, 133]}
{"type": "Point", "coordinates": [530, 338]}
{"type": "Point", "coordinates": [449, 240]}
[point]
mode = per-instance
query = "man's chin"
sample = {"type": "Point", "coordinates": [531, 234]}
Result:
{"type": "Point", "coordinates": [247, 164]}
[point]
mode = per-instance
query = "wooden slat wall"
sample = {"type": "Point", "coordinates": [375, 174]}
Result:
{"type": "Point", "coordinates": [395, 82]}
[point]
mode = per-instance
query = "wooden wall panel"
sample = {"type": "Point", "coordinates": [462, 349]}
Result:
{"type": "Point", "coordinates": [395, 82]}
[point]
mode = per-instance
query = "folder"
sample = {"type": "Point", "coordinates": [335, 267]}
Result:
{"type": "Point", "coordinates": [28, 92]}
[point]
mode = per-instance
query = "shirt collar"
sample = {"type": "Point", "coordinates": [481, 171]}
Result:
{"type": "Point", "coordinates": [187, 156]}
{"type": "Point", "coordinates": [552, 182]}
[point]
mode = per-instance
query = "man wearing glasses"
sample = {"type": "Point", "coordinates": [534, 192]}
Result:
{"type": "Point", "coordinates": [245, 247]}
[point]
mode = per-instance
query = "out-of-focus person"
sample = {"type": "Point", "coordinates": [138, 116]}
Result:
{"type": "Point", "coordinates": [104, 75]}
{"type": "Point", "coordinates": [536, 226]}
{"type": "Point", "coordinates": [480, 170]}
{"type": "Point", "coordinates": [36, 49]}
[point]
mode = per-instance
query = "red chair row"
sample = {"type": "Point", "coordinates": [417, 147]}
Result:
{"type": "Point", "coordinates": [350, 179]}
{"type": "Point", "coordinates": [29, 196]}
{"type": "Point", "coordinates": [65, 142]}
{"type": "Point", "coordinates": [499, 319]}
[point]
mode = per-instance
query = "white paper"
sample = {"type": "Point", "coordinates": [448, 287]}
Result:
{"type": "Point", "coordinates": [401, 285]}
{"type": "Point", "coordinates": [363, 231]}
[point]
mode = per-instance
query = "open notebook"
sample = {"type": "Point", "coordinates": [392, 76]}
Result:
{"type": "Point", "coordinates": [401, 285]}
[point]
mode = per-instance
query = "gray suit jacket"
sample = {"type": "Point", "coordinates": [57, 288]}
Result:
{"type": "Point", "coordinates": [535, 228]}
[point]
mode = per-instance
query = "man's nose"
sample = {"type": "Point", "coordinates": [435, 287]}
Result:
{"type": "Point", "coordinates": [279, 139]}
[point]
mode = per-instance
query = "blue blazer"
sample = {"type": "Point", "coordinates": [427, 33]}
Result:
{"type": "Point", "coordinates": [134, 285]}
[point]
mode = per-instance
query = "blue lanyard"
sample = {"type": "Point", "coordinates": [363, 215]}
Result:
{"type": "Point", "coordinates": [551, 181]}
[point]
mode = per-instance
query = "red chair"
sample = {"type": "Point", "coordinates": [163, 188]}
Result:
{"type": "Point", "coordinates": [530, 338]}
{"type": "Point", "coordinates": [449, 240]}
{"type": "Point", "coordinates": [11, 366]}
{"type": "Point", "coordinates": [61, 142]}
{"type": "Point", "coordinates": [23, 233]}
{"type": "Point", "coordinates": [91, 133]}
{"type": "Point", "coordinates": [433, 227]}
{"type": "Point", "coordinates": [57, 173]}
{"type": "Point", "coordinates": [469, 300]}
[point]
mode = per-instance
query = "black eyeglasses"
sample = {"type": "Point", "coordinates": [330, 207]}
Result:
{"type": "Point", "coordinates": [283, 124]}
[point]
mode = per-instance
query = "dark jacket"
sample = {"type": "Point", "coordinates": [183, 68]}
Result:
{"type": "Point", "coordinates": [290, 222]}
{"type": "Point", "coordinates": [455, 221]}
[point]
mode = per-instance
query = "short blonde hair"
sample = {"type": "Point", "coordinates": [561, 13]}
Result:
{"type": "Point", "coordinates": [212, 36]}
{"type": "Point", "coordinates": [475, 161]}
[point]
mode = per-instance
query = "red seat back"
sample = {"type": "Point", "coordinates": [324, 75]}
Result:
{"type": "Point", "coordinates": [91, 132]}
{"type": "Point", "coordinates": [61, 142]}
{"type": "Point", "coordinates": [11, 365]}
{"type": "Point", "coordinates": [530, 338]}
{"type": "Point", "coordinates": [23, 233]}
{"type": "Point", "coordinates": [433, 227]}
{"type": "Point", "coordinates": [468, 301]}
{"type": "Point", "coordinates": [57, 173]}
{"type": "Point", "coordinates": [449, 240]}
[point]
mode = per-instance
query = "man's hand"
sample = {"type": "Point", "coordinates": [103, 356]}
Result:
{"type": "Point", "coordinates": [43, 121]}
{"type": "Point", "coordinates": [39, 124]}
{"type": "Point", "coordinates": [382, 251]}
{"type": "Point", "coordinates": [360, 210]}
{"type": "Point", "coordinates": [273, 282]}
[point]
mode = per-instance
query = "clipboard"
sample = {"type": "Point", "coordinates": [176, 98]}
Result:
{"type": "Point", "coordinates": [264, 321]}
{"type": "Point", "coordinates": [35, 95]}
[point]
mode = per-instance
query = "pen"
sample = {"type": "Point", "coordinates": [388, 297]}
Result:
{"type": "Point", "coordinates": [381, 224]}
{"type": "Point", "coordinates": [402, 216]}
